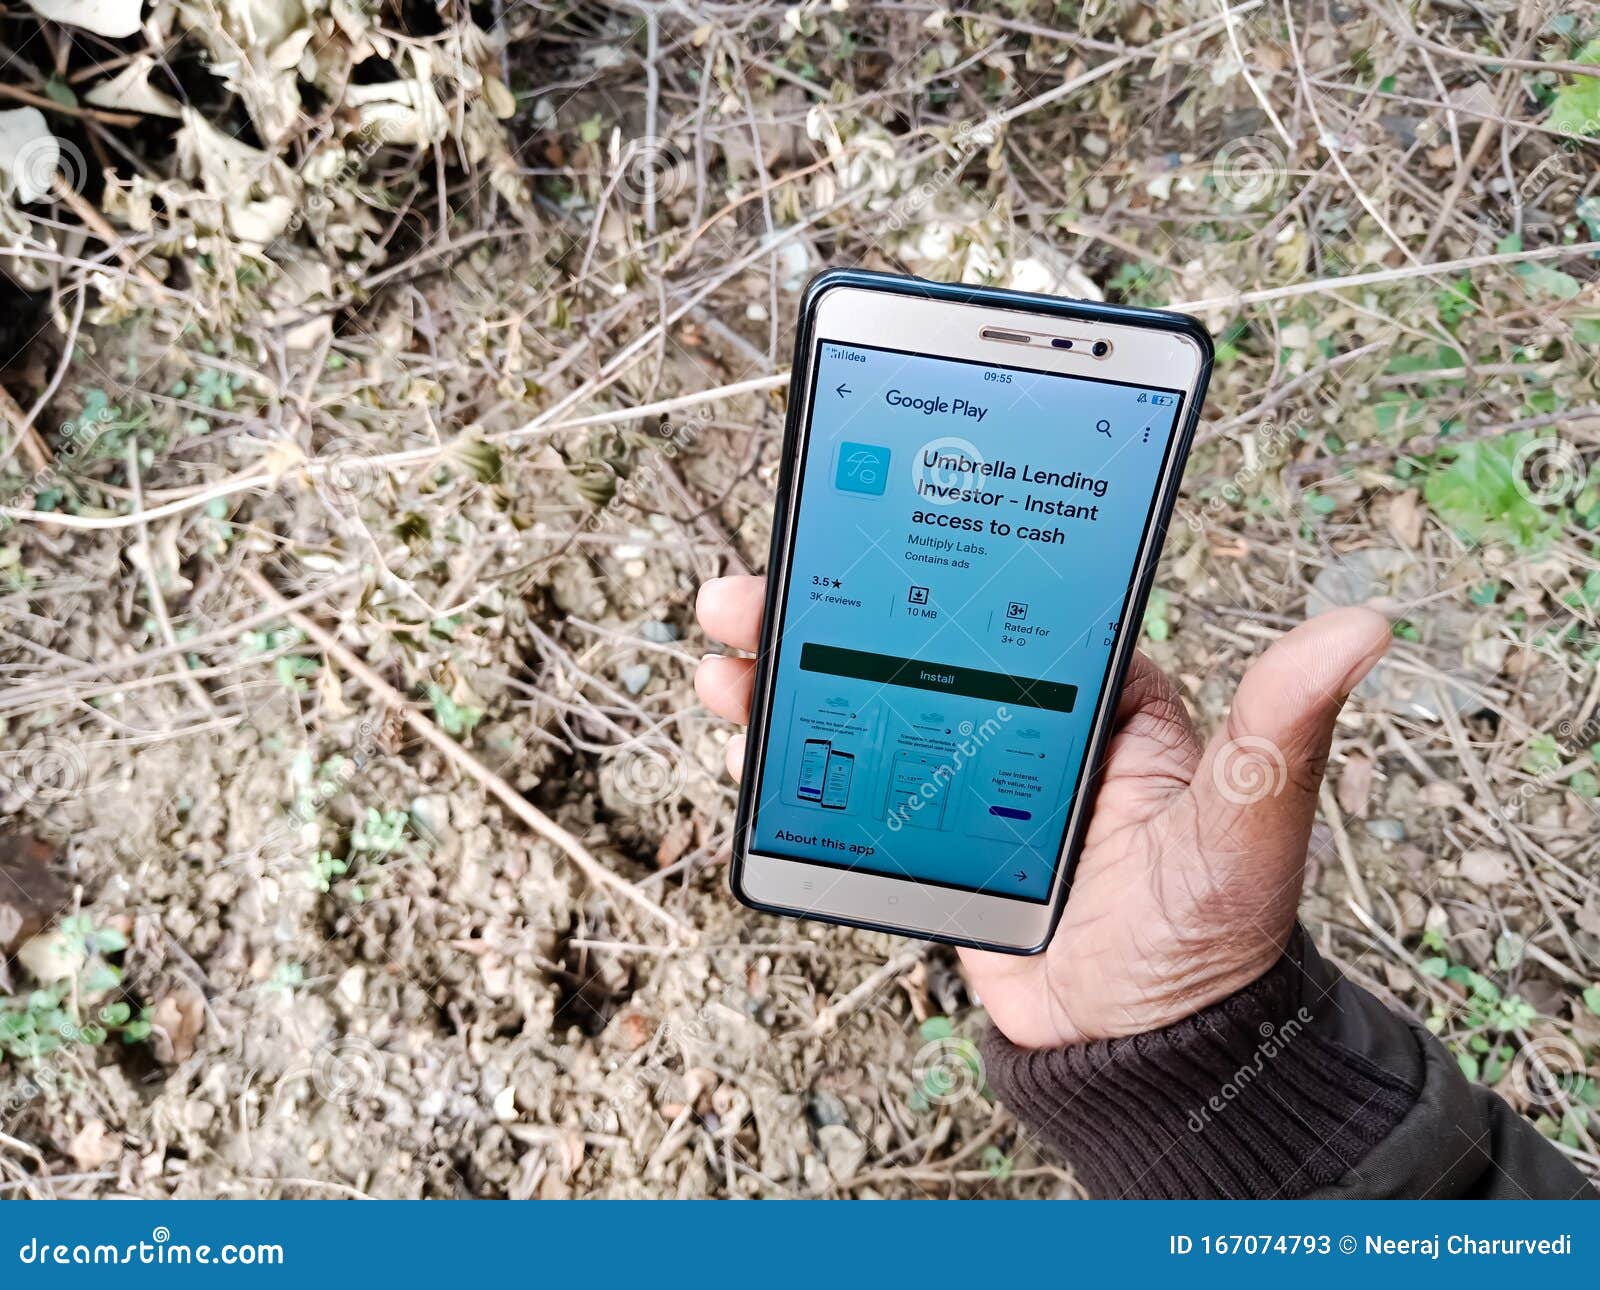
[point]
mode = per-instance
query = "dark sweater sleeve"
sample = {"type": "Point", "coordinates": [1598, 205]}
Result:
{"type": "Point", "coordinates": [1301, 1084]}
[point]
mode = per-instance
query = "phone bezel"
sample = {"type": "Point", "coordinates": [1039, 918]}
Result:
{"type": "Point", "coordinates": [946, 320]}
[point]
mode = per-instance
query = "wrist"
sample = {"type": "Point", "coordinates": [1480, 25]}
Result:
{"type": "Point", "coordinates": [1168, 986]}
{"type": "Point", "coordinates": [1251, 1096]}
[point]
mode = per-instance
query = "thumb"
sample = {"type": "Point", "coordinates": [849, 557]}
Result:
{"type": "Point", "coordinates": [1257, 784]}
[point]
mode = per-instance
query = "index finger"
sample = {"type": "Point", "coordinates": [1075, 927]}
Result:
{"type": "Point", "coordinates": [730, 610]}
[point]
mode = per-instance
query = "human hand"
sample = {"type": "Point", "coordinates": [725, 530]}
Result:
{"type": "Point", "coordinates": [1191, 867]}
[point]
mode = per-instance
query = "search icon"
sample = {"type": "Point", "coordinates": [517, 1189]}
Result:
{"type": "Point", "coordinates": [1104, 427]}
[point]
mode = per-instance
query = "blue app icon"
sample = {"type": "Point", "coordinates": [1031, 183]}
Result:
{"type": "Point", "coordinates": [863, 468]}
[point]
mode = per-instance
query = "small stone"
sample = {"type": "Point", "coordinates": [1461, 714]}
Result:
{"type": "Point", "coordinates": [52, 957]}
{"type": "Point", "coordinates": [1387, 830]}
{"type": "Point", "coordinates": [1441, 794]}
{"type": "Point", "coordinates": [352, 985]}
{"type": "Point", "coordinates": [842, 1149]}
{"type": "Point", "coordinates": [658, 633]}
{"type": "Point", "coordinates": [635, 1029]}
{"type": "Point", "coordinates": [635, 678]}
{"type": "Point", "coordinates": [431, 816]}
{"type": "Point", "coordinates": [825, 1109]}
{"type": "Point", "coordinates": [92, 1146]}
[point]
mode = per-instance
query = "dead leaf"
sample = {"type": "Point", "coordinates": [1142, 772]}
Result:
{"type": "Point", "coordinates": [1588, 918]}
{"type": "Point", "coordinates": [1355, 785]}
{"type": "Point", "coordinates": [405, 111]}
{"type": "Point", "coordinates": [92, 1147]}
{"type": "Point", "coordinates": [114, 18]}
{"type": "Point", "coordinates": [1441, 794]}
{"type": "Point", "coordinates": [674, 842]}
{"type": "Point", "coordinates": [1405, 518]}
{"type": "Point", "coordinates": [502, 102]}
{"type": "Point", "coordinates": [176, 1022]}
{"type": "Point", "coordinates": [281, 455]}
{"type": "Point", "coordinates": [30, 155]}
{"type": "Point", "coordinates": [1486, 866]}
{"type": "Point", "coordinates": [254, 188]}
{"type": "Point", "coordinates": [330, 688]}
{"type": "Point", "coordinates": [130, 91]}
{"type": "Point", "coordinates": [30, 895]}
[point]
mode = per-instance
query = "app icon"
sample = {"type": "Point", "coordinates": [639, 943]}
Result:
{"type": "Point", "coordinates": [863, 468]}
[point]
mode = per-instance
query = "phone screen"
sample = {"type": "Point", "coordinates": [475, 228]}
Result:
{"type": "Point", "coordinates": [965, 547]}
{"type": "Point", "coordinates": [836, 781]}
{"type": "Point", "coordinates": [812, 763]}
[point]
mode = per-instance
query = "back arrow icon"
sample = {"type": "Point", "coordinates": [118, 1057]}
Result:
{"type": "Point", "coordinates": [843, 390]}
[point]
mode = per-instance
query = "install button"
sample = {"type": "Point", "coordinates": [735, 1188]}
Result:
{"type": "Point", "coordinates": [971, 682]}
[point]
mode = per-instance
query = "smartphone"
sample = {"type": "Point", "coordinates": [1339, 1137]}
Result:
{"type": "Point", "coordinates": [813, 761]}
{"type": "Point", "coordinates": [974, 491]}
{"type": "Point", "coordinates": [836, 780]}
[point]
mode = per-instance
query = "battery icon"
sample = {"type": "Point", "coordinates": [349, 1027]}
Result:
{"type": "Point", "coordinates": [1163, 400]}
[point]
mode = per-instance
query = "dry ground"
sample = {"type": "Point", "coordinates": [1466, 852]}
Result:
{"type": "Point", "coordinates": [466, 331]}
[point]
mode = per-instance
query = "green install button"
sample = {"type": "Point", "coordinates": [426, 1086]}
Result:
{"type": "Point", "coordinates": [970, 682]}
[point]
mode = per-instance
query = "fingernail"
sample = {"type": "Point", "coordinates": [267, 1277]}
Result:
{"type": "Point", "coordinates": [700, 596]}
